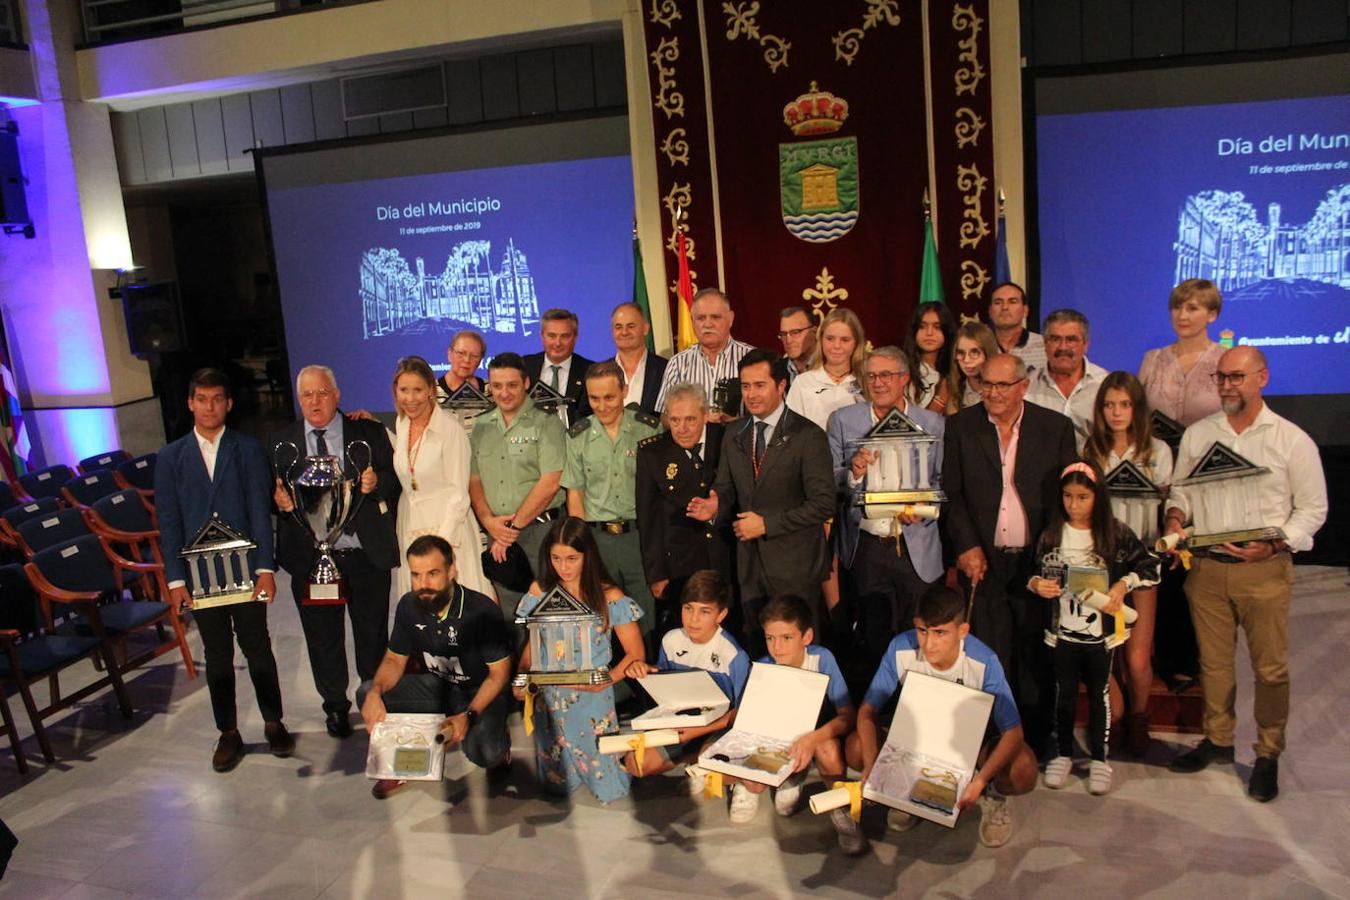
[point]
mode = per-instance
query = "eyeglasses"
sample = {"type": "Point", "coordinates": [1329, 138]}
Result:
{"type": "Point", "coordinates": [322, 394]}
{"type": "Point", "coordinates": [1233, 378]}
{"type": "Point", "coordinates": [998, 387]}
{"type": "Point", "coordinates": [882, 376]}
{"type": "Point", "coordinates": [784, 335]}
{"type": "Point", "coordinates": [466, 354]}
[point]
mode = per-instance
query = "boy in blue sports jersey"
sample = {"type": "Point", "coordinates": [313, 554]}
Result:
{"type": "Point", "coordinates": [941, 645]}
{"type": "Point", "coordinates": [786, 622]}
{"type": "Point", "coordinates": [699, 643]}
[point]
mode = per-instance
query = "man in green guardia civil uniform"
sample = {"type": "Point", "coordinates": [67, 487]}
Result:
{"type": "Point", "coordinates": [601, 477]}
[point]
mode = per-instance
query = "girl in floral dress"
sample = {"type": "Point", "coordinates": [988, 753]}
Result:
{"type": "Point", "coordinates": [569, 719]}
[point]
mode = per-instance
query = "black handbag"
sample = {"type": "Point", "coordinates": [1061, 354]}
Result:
{"type": "Point", "coordinates": [514, 573]}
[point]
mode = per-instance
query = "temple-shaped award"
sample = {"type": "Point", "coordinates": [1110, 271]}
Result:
{"type": "Point", "coordinates": [218, 572]}
{"type": "Point", "coordinates": [466, 403]}
{"type": "Point", "coordinates": [898, 480]}
{"type": "Point", "coordinates": [1135, 498]}
{"type": "Point", "coordinates": [560, 630]}
{"type": "Point", "coordinates": [547, 399]}
{"type": "Point", "coordinates": [1224, 491]}
{"type": "Point", "coordinates": [1167, 430]}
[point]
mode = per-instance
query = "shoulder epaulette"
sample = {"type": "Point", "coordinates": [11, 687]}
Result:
{"type": "Point", "coordinates": [651, 439]}
{"type": "Point", "coordinates": [579, 427]}
{"type": "Point", "coordinates": [645, 418]}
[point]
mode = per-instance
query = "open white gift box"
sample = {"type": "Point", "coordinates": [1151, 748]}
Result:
{"type": "Point", "coordinates": [404, 746]}
{"type": "Point", "coordinates": [932, 748]}
{"type": "Point", "coordinates": [684, 699]}
{"type": "Point", "coordinates": [781, 703]}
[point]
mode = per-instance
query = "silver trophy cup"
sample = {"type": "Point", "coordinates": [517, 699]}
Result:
{"type": "Point", "coordinates": [325, 503]}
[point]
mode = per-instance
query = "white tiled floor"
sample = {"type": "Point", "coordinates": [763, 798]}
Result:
{"type": "Point", "coordinates": [132, 808]}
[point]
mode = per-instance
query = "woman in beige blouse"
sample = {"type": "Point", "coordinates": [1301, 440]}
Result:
{"type": "Point", "coordinates": [1179, 378]}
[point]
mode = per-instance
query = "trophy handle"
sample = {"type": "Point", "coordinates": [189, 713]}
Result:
{"type": "Point", "coordinates": [370, 456]}
{"type": "Point", "coordinates": [284, 472]}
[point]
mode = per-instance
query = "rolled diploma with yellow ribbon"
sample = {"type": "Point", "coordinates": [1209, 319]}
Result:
{"type": "Point", "coordinates": [887, 510]}
{"type": "Point", "coordinates": [826, 801]}
{"type": "Point", "coordinates": [1097, 600]}
{"type": "Point", "coordinates": [622, 743]}
{"type": "Point", "coordinates": [1168, 542]}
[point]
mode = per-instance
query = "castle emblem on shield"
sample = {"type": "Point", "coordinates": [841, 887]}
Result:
{"type": "Point", "coordinates": [818, 179]}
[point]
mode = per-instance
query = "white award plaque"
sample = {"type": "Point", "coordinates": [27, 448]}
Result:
{"type": "Point", "coordinates": [684, 699]}
{"type": "Point", "coordinates": [404, 746]}
{"type": "Point", "coordinates": [781, 704]}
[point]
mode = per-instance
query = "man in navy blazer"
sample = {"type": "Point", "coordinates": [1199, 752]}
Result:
{"type": "Point", "coordinates": [643, 370]}
{"type": "Point", "coordinates": [215, 470]}
{"type": "Point", "coordinates": [558, 330]}
{"type": "Point", "coordinates": [888, 577]}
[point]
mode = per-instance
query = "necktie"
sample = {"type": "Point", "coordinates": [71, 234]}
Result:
{"type": "Point", "coordinates": [320, 445]}
{"type": "Point", "coordinates": [760, 444]}
{"type": "Point", "coordinates": [553, 379]}
{"type": "Point", "coordinates": [698, 452]}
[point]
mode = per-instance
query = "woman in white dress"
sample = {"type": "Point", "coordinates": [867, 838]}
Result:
{"type": "Point", "coordinates": [431, 459]}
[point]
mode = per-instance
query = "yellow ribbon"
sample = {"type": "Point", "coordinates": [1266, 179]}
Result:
{"type": "Point", "coordinates": [712, 785]}
{"type": "Point", "coordinates": [639, 747]}
{"type": "Point", "coordinates": [855, 797]}
{"type": "Point", "coordinates": [1120, 626]}
{"type": "Point", "coordinates": [1185, 557]}
{"type": "Point", "coordinates": [529, 711]}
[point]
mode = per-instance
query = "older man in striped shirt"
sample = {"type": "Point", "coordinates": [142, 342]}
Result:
{"type": "Point", "coordinates": [715, 358]}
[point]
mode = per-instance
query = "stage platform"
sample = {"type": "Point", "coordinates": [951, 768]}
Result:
{"type": "Point", "coordinates": [133, 809]}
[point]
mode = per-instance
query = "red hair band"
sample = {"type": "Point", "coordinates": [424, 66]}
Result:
{"type": "Point", "coordinates": [1080, 467]}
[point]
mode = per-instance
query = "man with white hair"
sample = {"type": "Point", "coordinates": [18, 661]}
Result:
{"type": "Point", "coordinates": [714, 360]}
{"type": "Point", "coordinates": [365, 552]}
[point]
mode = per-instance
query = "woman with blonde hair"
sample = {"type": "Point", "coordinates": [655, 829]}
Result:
{"type": "Point", "coordinates": [974, 344]}
{"type": "Point", "coordinates": [431, 459]}
{"type": "Point", "coordinates": [833, 377]}
{"type": "Point", "coordinates": [1178, 378]}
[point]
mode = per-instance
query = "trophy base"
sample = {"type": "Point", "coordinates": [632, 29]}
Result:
{"type": "Point", "coordinates": [214, 600]}
{"type": "Point", "coordinates": [334, 594]}
{"type": "Point", "coordinates": [1204, 541]}
{"type": "Point", "coordinates": [589, 676]}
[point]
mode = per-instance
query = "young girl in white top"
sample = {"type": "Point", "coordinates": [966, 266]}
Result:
{"type": "Point", "coordinates": [928, 345]}
{"type": "Point", "coordinates": [834, 377]}
{"type": "Point", "coordinates": [1083, 533]}
{"type": "Point", "coordinates": [1122, 430]}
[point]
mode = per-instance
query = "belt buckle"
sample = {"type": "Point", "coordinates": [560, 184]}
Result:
{"type": "Point", "coordinates": [614, 527]}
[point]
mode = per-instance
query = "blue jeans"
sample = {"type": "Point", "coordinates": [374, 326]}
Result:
{"type": "Point", "coordinates": [487, 743]}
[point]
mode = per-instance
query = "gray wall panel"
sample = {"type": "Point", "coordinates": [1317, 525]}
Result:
{"type": "Point", "coordinates": [182, 140]}
{"type": "Point", "coordinates": [1158, 29]}
{"type": "Point", "coordinates": [155, 145]}
{"type": "Point", "coordinates": [574, 77]}
{"type": "Point", "coordinates": [501, 98]}
{"type": "Point", "coordinates": [1316, 21]}
{"type": "Point", "coordinates": [1262, 24]}
{"type": "Point", "coordinates": [464, 87]}
{"type": "Point", "coordinates": [210, 124]}
{"type": "Point", "coordinates": [1210, 26]}
{"type": "Point", "coordinates": [534, 79]}
{"type": "Point", "coordinates": [1107, 30]}
{"type": "Point", "coordinates": [297, 114]}
{"type": "Point", "coordinates": [127, 145]}
{"type": "Point", "coordinates": [238, 132]}
{"type": "Point", "coordinates": [267, 127]}
{"type": "Point", "coordinates": [326, 97]}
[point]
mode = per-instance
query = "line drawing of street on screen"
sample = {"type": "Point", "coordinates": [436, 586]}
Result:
{"type": "Point", "coordinates": [1221, 236]}
{"type": "Point", "coordinates": [399, 299]}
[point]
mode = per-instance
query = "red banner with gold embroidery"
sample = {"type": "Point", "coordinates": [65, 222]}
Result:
{"type": "Point", "coordinates": [821, 158]}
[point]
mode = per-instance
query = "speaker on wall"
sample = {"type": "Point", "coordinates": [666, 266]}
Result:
{"type": "Point", "coordinates": [13, 198]}
{"type": "Point", "coordinates": [154, 317]}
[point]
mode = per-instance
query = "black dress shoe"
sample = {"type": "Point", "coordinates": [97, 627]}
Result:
{"type": "Point", "coordinates": [279, 740]}
{"type": "Point", "coordinates": [229, 751]}
{"type": "Point", "coordinates": [339, 725]}
{"type": "Point", "coordinates": [1200, 758]}
{"type": "Point", "coordinates": [1264, 785]}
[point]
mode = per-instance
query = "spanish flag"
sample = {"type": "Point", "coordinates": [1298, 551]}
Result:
{"type": "Point", "coordinates": [684, 290]}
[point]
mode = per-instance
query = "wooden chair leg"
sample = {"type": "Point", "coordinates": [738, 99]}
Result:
{"type": "Point", "coordinates": [38, 730]}
{"type": "Point", "coordinates": [115, 676]}
{"type": "Point", "coordinates": [180, 630]}
{"type": "Point", "coordinates": [19, 759]}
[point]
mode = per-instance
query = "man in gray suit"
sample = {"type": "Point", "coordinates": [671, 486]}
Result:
{"type": "Point", "coordinates": [775, 483]}
{"type": "Point", "coordinates": [888, 576]}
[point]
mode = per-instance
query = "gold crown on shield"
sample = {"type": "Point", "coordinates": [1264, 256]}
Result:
{"type": "Point", "coordinates": [815, 112]}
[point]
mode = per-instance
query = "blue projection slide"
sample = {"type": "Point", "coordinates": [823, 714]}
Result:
{"type": "Point", "coordinates": [375, 270]}
{"type": "Point", "coordinates": [1255, 196]}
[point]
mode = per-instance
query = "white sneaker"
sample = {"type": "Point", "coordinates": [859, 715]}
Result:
{"type": "Point", "coordinates": [851, 838]}
{"type": "Point", "coordinates": [788, 794]}
{"type": "Point", "coordinates": [995, 819]}
{"type": "Point", "coordinates": [696, 775]}
{"type": "Point", "coordinates": [1057, 771]}
{"type": "Point", "coordinates": [1099, 778]}
{"type": "Point", "coordinates": [899, 820]}
{"type": "Point", "coordinates": [744, 805]}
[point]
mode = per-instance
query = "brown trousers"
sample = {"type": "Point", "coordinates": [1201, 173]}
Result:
{"type": "Point", "coordinates": [1255, 596]}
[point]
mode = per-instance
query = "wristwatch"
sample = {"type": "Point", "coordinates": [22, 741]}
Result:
{"type": "Point", "coordinates": [472, 717]}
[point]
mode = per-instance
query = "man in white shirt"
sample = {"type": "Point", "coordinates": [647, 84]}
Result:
{"type": "Point", "coordinates": [643, 370]}
{"type": "Point", "coordinates": [714, 360]}
{"type": "Point", "coordinates": [1068, 382]}
{"type": "Point", "coordinates": [1008, 311]}
{"type": "Point", "coordinates": [1247, 584]}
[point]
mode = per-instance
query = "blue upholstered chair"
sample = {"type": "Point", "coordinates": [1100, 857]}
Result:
{"type": "Point", "coordinates": [46, 482]}
{"type": "Point", "coordinates": [82, 490]}
{"type": "Point", "coordinates": [108, 460]}
{"type": "Point", "coordinates": [138, 473]}
{"type": "Point", "coordinates": [12, 518]}
{"type": "Point", "coordinates": [42, 532]}
{"type": "Point", "coordinates": [27, 657]}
